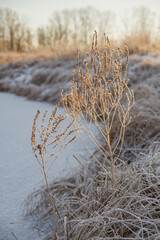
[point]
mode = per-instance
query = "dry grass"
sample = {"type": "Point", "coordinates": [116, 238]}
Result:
{"type": "Point", "coordinates": [91, 212]}
{"type": "Point", "coordinates": [137, 46]}
{"type": "Point", "coordinates": [50, 139]}
{"type": "Point", "coordinates": [8, 57]}
{"type": "Point", "coordinates": [69, 51]}
{"type": "Point", "coordinates": [61, 52]}
{"type": "Point", "coordinates": [101, 95]}
{"type": "Point", "coordinates": [107, 198]}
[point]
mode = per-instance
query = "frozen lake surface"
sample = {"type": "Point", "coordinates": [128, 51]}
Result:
{"type": "Point", "coordinates": [19, 170]}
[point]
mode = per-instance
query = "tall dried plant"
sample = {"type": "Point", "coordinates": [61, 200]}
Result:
{"type": "Point", "coordinates": [128, 208]}
{"type": "Point", "coordinates": [100, 94]}
{"type": "Point", "coordinates": [47, 144]}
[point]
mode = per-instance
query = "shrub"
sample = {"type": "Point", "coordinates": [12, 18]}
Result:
{"type": "Point", "coordinates": [102, 96]}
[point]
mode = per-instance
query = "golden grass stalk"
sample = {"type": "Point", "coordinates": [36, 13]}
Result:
{"type": "Point", "coordinates": [100, 94]}
{"type": "Point", "coordinates": [47, 144]}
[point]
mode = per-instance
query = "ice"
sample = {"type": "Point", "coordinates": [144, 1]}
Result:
{"type": "Point", "coordinates": [19, 170]}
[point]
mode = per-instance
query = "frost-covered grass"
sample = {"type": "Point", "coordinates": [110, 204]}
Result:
{"type": "Point", "coordinates": [116, 194]}
{"type": "Point", "coordinates": [43, 80]}
{"type": "Point", "coordinates": [88, 206]}
{"type": "Point", "coordinates": [38, 80]}
{"type": "Point", "coordinates": [91, 212]}
{"type": "Point", "coordinates": [85, 197]}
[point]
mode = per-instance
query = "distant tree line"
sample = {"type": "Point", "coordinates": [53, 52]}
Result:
{"type": "Point", "coordinates": [15, 35]}
{"type": "Point", "coordinates": [74, 27]}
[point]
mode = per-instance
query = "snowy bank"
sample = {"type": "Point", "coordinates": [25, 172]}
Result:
{"type": "Point", "coordinates": [43, 80]}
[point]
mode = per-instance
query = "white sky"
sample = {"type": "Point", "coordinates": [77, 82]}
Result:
{"type": "Point", "coordinates": [38, 11]}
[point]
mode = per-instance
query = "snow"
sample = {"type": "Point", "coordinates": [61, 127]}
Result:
{"type": "Point", "coordinates": [44, 80]}
{"type": "Point", "coordinates": [19, 170]}
{"type": "Point", "coordinates": [33, 78]}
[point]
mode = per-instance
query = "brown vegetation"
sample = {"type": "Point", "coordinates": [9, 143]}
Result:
{"type": "Point", "coordinates": [70, 30]}
{"type": "Point", "coordinates": [108, 198]}
{"type": "Point", "coordinates": [15, 35]}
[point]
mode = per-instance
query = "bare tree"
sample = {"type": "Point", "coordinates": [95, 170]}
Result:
{"type": "Point", "coordinates": [14, 31]}
{"type": "Point", "coordinates": [41, 35]}
{"type": "Point", "coordinates": [105, 24]}
{"type": "Point", "coordinates": [12, 23]}
{"type": "Point", "coordinates": [2, 31]}
{"type": "Point", "coordinates": [86, 24]}
{"type": "Point", "coordinates": [29, 39]}
{"type": "Point", "coordinates": [139, 23]}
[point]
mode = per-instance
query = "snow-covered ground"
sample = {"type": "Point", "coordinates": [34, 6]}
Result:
{"type": "Point", "coordinates": [40, 80]}
{"type": "Point", "coordinates": [43, 80]}
{"type": "Point", "coordinates": [19, 170]}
